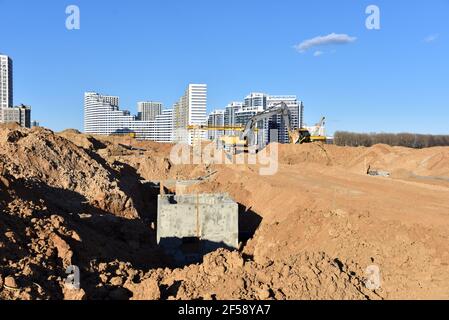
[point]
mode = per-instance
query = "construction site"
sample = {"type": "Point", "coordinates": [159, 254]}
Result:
{"type": "Point", "coordinates": [138, 226]}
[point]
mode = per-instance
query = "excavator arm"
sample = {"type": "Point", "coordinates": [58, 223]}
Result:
{"type": "Point", "coordinates": [278, 109]}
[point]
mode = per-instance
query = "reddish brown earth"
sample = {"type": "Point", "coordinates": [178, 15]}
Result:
{"type": "Point", "coordinates": [313, 228]}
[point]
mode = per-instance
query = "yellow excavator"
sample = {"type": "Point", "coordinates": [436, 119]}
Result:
{"type": "Point", "coordinates": [296, 136]}
{"type": "Point", "coordinates": [318, 132]}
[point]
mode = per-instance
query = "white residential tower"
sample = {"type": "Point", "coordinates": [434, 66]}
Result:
{"type": "Point", "coordinates": [190, 110]}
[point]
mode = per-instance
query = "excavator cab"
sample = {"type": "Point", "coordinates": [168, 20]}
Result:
{"type": "Point", "coordinates": [300, 136]}
{"type": "Point", "coordinates": [296, 136]}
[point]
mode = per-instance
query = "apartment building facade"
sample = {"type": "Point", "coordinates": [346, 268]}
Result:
{"type": "Point", "coordinates": [215, 119]}
{"type": "Point", "coordinates": [148, 110]}
{"type": "Point", "coordinates": [190, 110]}
{"type": "Point", "coordinates": [296, 108]}
{"type": "Point", "coordinates": [8, 113]}
{"type": "Point", "coordinates": [163, 127]}
{"type": "Point", "coordinates": [20, 115]}
{"type": "Point", "coordinates": [6, 82]}
{"type": "Point", "coordinates": [102, 116]}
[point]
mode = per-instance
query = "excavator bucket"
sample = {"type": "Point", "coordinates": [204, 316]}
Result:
{"type": "Point", "coordinates": [299, 136]}
{"type": "Point", "coordinates": [294, 137]}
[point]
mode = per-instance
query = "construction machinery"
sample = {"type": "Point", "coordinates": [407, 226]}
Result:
{"type": "Point", "coordinates": [295, 135]}
{"type": "Point", "coordinates": [318, 132]}
{"type": "Point", "coordinates": [229, 141]}
{"type": "Point", "coordinates": [243, 141]}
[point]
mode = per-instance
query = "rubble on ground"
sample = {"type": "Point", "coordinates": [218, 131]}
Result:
{"type": "Point", "coordinates": [313, 228]}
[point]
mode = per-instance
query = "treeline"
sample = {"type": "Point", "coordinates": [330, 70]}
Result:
{"type": "Point", "coordinates": [410, 140]}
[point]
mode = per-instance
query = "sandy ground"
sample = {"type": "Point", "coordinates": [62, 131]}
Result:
{"type": "Point", "coordinates": [311, 230]}
{"type": "Point", "coordinates": [329, 204]}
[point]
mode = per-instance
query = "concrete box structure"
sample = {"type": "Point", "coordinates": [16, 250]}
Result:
{"type": "Point", "coordinates": [190, 226]}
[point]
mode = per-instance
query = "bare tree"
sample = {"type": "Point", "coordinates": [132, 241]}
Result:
{"type": "Point", "coordinates": [410, 140]}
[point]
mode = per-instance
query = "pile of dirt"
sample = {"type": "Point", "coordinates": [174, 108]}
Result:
{"type": "Point", "coordinates": [400, 161]}
{"type": "Point", "coordinates": [63, 205]}
{"type": "Point", "coordinates": [308, 232]}
{"type": "Point", "coordinates": [87, 142]}
{"type": "Point", "coordinates": [321, 201]}
{"type": "Point", "coordinates": [68, 175]}
{"type": "Point", "coordinates": [150, 160]}
{"type": "Point", "coordinates": [226, 275]}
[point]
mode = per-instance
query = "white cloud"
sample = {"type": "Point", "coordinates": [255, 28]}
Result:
{"type": "Point", "coordinates": [332, 38]}
{"type": "Point", "coordinates": [318, 53]}
{"type": "Point", "coordinates": [431, 38]}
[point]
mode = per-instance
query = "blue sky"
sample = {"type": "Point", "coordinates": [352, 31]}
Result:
{"type": "Point", "coordinates": [393, 79]}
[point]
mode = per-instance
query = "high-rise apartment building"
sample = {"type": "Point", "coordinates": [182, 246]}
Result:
{"type": "Point", "coordinates": [277, 122]}
{"type": "Point", "coordinates": [20, 115]}
{"type": "Point", "coordinates": [6, 82]}
{"type": "Point", "coordinates": [256, 99]}
{"type": "Point", "coordinates": [9, 113]}
{"type": "Point", "coordinates": [148, 110]}
{"type": "Point", "coordinates": [103, 116]}
{"type": "Point", "coordinates": [190, 110]}
{"type": "Point", "coordinates": [215, 119]}
{"type": "Point", "coordinates": [163, 127]}
{"type": "Point", "coordinates": [229, 116]}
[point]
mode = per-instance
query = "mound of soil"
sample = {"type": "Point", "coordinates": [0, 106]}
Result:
{"type": "Point", "coordinates": [311, 230]}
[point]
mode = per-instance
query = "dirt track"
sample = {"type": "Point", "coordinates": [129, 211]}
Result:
{"type": "Point", "coordinates": [314, 227]}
